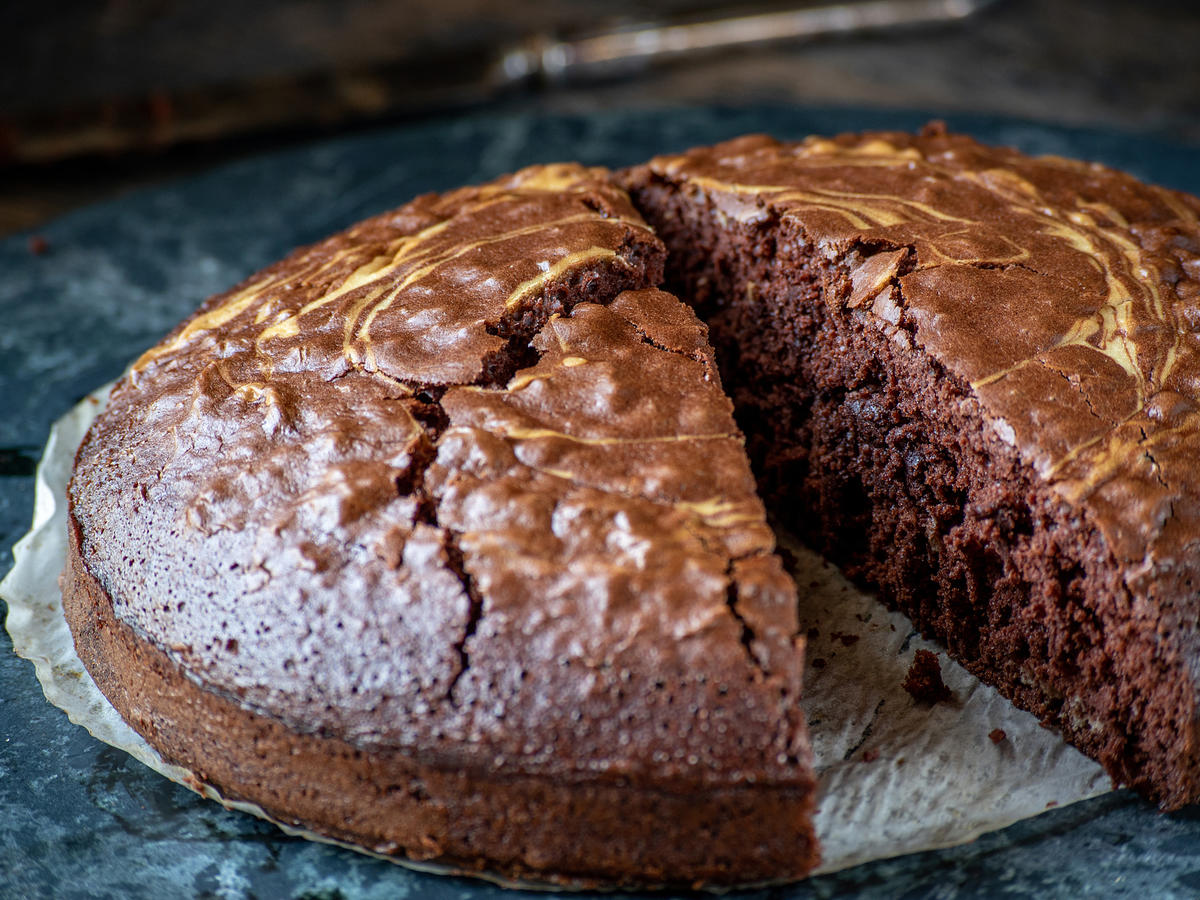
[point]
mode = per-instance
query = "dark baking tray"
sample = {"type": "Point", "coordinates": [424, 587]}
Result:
{"type": "Point", "coordinates": [78, 818]}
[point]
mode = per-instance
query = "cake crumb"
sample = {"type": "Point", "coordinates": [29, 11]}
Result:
{"type": "Point", "coordinates": [924, 680]}
{"type": "Point", "coordinates": [870, 756]}
{"type": "Point", "coordinates": [818, 663]}
{"type": "Point", "coordinates": [848, 640]}
{"type": "Point", "coordinates": [996, 735]}
{"type": "Point", "coordinates": [814, 633]}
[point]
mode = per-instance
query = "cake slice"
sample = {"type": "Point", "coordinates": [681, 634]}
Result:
{"type": "Point", "coordinates": [970, 377]}
{"type": "Point", "coordinates": [438, 537]}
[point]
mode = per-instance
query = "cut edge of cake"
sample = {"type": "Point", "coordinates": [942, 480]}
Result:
{"type": "Point", "coordinates": [970, 369]}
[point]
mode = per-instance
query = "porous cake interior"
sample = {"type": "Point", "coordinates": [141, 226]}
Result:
{"type": "Point", "coordinates": [880, 459]}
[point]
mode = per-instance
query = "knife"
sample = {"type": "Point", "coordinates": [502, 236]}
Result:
{"type": "Point", "coordinates": [419, 85]}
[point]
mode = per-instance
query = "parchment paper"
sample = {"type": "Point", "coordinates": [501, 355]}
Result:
{"type": "Point", "coordinates": [896, 776]}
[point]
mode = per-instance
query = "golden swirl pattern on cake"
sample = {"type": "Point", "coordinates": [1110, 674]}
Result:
{"type": "Point", "coordinates": [1063, 293]}
{"type": "Point", "coordinates": [392, 278]}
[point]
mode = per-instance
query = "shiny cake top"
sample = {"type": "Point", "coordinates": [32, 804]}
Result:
{"type": "Point", "coordinates": [458, 481]}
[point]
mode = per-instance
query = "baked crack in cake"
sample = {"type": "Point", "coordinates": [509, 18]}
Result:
{"type": "Point", "coordinates": [438, 537]}
{"type": "Point", "coordinates": [970, 377]}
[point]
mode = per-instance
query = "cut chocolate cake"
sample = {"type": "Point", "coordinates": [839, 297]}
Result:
{"type": "Point", "coordinates": [970, 377]}
{"type": "Point", "coordinates": [438, 537]}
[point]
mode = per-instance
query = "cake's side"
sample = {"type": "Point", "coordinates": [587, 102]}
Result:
{"type": "Point", "coordinates": [580, 835]}
{"type": "Point", "coordinates": [456, 490]}
{"type": "Point", "coordinates": [978, 373]}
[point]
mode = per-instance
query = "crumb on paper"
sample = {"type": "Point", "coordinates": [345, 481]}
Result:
{"type": "Point", "coordinates": [869, 756]}
{"type": "Point", "coordinates": [996, 735]}
{"type": "Point", "coordinates": [924, 679]}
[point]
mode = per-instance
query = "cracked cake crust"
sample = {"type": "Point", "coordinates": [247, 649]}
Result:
{"type": "Point", "coordinates": [451, 510]}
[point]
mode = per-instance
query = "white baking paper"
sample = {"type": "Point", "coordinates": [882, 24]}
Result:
{"type": "Point", "coordinates": [896, 776]}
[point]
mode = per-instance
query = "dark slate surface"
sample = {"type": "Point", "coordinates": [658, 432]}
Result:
{"type": "Point", "coordinates": [80, 819]}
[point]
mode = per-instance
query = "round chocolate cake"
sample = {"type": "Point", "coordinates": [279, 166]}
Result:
{"type": "Point", "coordinates": [439, 537]}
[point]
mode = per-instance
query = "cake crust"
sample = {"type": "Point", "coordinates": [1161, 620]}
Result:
{"type": "Point", "coordinates": [454, 501]}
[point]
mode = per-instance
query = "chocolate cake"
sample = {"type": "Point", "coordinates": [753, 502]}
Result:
{"type": "Point", "coordinates": [970, 378]}
{"type": "Point", "coordinates": [438, 537]}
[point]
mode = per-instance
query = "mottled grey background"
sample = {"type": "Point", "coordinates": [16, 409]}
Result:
{"type": "Point", "coordinates": [80, 819]}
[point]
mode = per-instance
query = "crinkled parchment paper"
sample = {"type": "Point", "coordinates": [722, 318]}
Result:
{"type": "Point", "coordinates": [896, 776]}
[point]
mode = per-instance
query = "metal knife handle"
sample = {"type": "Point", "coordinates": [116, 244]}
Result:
{"type": "Point", "coordinates": [620, 51]}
